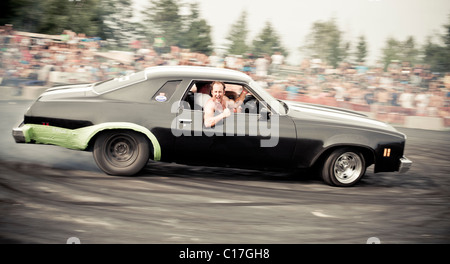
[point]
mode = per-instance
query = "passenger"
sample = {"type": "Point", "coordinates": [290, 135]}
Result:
{"type": "Point", "coordinates": [235, 101]}
{"type": "Point", "coordinates": [232, 96]}
{"type": "Point", "coordinates": [216, 107]}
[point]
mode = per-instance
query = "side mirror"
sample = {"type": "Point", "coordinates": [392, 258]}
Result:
{"type": "Point", "coordinates": [264, 114]}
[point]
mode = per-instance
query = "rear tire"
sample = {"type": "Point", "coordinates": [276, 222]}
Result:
{"type": "Point", "coordinates": [344, 167]}
{"type": "Point", "coordinates": [121, 152]}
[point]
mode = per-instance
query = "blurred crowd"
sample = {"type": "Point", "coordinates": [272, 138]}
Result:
{"type": "Point", "coordinates": [402, 88]}
{"type": "Point", "coordinates": [27, 59]}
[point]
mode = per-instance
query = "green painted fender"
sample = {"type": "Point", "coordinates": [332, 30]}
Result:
{"type": "Point", "coordinates": [78, 139]}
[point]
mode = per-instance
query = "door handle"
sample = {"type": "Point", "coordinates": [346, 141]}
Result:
{"type": "Point", "coordinates": [185, 121]}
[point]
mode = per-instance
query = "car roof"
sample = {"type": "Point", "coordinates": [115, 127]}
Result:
{"type": "Point", "coordinates": [196, 72]}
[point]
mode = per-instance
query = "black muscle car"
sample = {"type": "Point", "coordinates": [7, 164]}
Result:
{"type": "Point", "coordinates": [158, 114]}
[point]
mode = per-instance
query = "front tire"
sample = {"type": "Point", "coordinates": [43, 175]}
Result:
{"type": "Point", "coordinates": [121, 152]}
{"type": "Point", "coordinates": [344, 167]}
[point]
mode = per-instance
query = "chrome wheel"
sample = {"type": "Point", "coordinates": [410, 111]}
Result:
{"type": "Point", "coordinates": [344, 167]}
{"type": "Point", "coordinates": [348, 167]}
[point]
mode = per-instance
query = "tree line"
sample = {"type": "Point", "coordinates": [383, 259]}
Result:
{"type": "Point", "coordinates": [113, 20]}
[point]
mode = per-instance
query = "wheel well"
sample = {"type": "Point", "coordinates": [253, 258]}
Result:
{"type": "Point", "coordinates": [367, 153]}
{"type": "Point", "coordinates": [91, 142]}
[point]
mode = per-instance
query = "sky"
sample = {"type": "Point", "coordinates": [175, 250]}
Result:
{"type": "Point", "coordinates": [292, 19]}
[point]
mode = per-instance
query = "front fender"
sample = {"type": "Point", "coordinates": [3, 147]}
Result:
{"type": "Point", "coordinates": [352, 139]}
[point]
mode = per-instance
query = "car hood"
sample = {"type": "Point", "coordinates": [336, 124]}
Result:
{"type": "Point", "coordinates": [335, 116]}
{"type": "Point", "coordinates": [66, 92]}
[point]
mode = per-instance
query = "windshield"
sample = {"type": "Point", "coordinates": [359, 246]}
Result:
{"type": "Point", "coordinates": [119, 82]}
{"type": "Point", "coordinates": [277, 105]}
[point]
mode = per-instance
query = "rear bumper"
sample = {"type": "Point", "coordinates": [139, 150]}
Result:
{"type": "Point", "coordinates": [18, 134]}
{"type": "Point", "coordinates": [405, 165]}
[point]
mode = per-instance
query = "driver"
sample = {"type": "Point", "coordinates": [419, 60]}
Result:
{"type": "Point", "coordinates": [203, 93]}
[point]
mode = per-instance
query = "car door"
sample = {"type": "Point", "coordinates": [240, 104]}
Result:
{"type": "Point", "coordinates": [261, 138]}
{"type": "Point", "coordinates": [251, 138]}
{"type": "Point", "coordinates": [195, 144]}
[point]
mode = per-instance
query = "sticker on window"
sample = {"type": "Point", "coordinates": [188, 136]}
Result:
{"type": "Point", "coordinates": [161, 97]}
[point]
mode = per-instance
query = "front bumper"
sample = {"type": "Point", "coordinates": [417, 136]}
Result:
{"type": "Point", "coordinates": [18, 134]}
{"type": "Point", "coordinates": [405, 165]}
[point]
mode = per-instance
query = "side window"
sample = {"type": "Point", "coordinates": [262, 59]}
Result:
{"type": "Point", "coordinates": [166, 91]}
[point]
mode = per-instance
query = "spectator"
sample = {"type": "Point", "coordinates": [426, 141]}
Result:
{"type": "Point", "coordinates": [215, 61]}
{"type": "Point", "coordinates": [406, 99]}
{"type": "Point", "coordinates": [436, 102]}
{"type": "Point", "coordinates": [292, 90]}
{"type": "Point", "coordinates": [230, 62]}
{"type": "Point", "coordinates": [261, 66]}
{"type": "Point", "coordinates": [316, 65]}
{"type": "Point", "coordinates": [277, 61]}
{"type": "Point", "coordinates": [369, 96]}
{"type": "Point", "coordinates": [421, 101]}
{"type": "Point", "coordinates": [340, 92]}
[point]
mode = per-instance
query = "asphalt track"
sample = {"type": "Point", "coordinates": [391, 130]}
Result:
{"type": "Point", "coordinates": [49, 194]}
